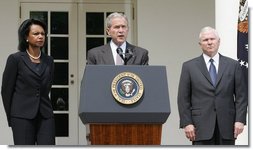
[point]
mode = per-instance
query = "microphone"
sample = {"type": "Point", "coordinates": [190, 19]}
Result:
{"type": "Point", "coordinates": [120, 52]}
{"type": "Point", "coordinates": [128, 54]}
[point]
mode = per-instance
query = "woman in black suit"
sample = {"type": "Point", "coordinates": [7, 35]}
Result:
{"type": "Point", "coordinates": [27, 81]}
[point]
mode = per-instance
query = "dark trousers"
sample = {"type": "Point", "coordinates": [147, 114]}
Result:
{"type": "Point", "coordinates": [215, 140]}
{"type": "Point", "coordinates": [40, 131]}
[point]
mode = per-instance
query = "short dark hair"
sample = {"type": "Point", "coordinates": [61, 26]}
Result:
{"type": "Point", "coordinates": [24, 30]}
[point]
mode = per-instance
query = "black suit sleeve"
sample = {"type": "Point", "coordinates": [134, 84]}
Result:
{"type": "Point", "coordinates": [8, 84]}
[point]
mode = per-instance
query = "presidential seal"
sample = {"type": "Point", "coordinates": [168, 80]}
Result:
{"type": "Point", "coordinates": [127, 88]}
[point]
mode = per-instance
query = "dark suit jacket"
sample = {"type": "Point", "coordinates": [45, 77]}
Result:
{"type": "Point", "coordinates": [103, 55]}
{"type": "Point", "coordinates": [200, 103]}
{"type": "Point", "coordinates": [25, 91]}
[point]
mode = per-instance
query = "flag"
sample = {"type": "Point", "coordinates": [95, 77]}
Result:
{"type": "Point", "coordinates": [242, 37]}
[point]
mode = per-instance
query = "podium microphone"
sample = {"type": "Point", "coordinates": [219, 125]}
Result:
{"type": "Point", "coordinates": [128, 54]}
{"type": "Point", "coordinates": [120, 52]}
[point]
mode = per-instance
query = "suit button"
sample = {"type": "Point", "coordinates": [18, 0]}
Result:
{"type": "Point", "coordinates": [37, 95]}
{"type": "Point", "coordinates": [214, 109]}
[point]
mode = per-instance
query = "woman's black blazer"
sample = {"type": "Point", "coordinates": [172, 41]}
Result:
{"type": "Point", "coordinates": [25, 91]}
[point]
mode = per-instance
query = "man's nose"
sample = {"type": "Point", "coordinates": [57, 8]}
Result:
{"type": "Point", "coordinates": [209, 42]}
{"type": "Point", "coordinates": [120, 29]}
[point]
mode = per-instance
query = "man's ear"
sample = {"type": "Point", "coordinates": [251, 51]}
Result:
{"type": "Point", "coordinates": [107, 31]}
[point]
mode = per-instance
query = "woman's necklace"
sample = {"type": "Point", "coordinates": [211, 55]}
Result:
{"type": "Point", "coordinates": [33, 56]}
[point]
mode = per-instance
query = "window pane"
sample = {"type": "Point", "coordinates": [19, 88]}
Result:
{"type": "Point", "coordinates": [59, 97]}
{"type": "Point", "coordinates": [59, 47]}
{"type": "Point", "coordinates": [59, 23]}
{"type": "Point", "coordinates": [39, 15]}
{"type": "Point", "coordinates": [61, 74]}
{"type": "Point", "coordinates": [44, 49]}
{"type": "Point", "coordinates": [61, 125]}
{"type": "Point", "coordinates": [108, 39]}
{"type": "Point", "coordinates": [94, 42]}
{"type": "Point", "coordinates": [95, 23]}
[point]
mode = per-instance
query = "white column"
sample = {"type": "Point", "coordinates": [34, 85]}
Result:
{"type": "Point", "coordinates": [226, 23]}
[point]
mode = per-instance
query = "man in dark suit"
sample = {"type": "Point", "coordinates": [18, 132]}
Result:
{"type": "Point", "coordinates": [212, 95]}
{"type": "Point", "coordinates": [118, 51]}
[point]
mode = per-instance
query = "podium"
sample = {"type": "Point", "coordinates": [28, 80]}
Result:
{"type": "Point", "coordinates": [112, 123]}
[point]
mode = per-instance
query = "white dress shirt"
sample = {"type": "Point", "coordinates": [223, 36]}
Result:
{"type": "Point", "coordinates": [215, 61]}
{"type": "Point", "coordinates": [114, 49]}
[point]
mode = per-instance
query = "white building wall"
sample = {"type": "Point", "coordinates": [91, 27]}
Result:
{"type": "Point", "coordinates": [9, 16]}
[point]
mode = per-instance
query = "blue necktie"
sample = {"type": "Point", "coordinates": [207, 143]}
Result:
{"type": "Point", "coordinates": [212, 72]}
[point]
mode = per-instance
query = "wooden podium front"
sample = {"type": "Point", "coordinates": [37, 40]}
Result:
{"type": "Point", "coordinates": [125, 134]}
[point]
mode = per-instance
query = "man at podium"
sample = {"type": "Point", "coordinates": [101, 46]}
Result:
{"type": "Point", "coordinates": [118, 51]}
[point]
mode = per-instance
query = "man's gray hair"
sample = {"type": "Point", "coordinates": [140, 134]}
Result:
{"type": "Point", "coordinates": [206, 29]}
{"type": "Point", "coordinates": [115, 15]}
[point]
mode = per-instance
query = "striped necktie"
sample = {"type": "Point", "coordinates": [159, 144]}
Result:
{"type": "Point", "coordinates": [212, 72]}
